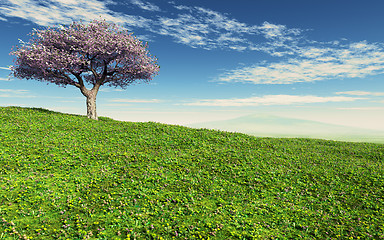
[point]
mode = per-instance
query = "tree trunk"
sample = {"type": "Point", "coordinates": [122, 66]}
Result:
{"type": "Point", "coordinates": [91, 106]}
{"type": "Point", "coordinates": [91, 97]}
{"type": "Point", "coordinates": [91, 100]}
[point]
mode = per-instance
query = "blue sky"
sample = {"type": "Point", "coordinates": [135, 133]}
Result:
{"type": "Point", "coordinates": [315, 60]}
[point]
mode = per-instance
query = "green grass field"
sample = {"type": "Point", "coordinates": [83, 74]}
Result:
{"type": "Point", "coordinates": [65, 176]}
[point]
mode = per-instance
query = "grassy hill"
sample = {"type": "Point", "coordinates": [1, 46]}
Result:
{"type": "Point", "coordinates": [273, 126]}
{"type": "Point", "coordinates": [64, 176]}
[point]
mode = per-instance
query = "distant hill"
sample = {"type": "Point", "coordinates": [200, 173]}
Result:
{"type": "Point", "coordinates": [273, 126]}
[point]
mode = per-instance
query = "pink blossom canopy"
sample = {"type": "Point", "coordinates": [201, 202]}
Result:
{"type": "Point", "coordinates": [97, 53]}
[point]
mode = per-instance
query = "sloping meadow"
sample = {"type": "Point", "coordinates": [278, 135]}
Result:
{"type": "Point", "coordinates": [66, 176]}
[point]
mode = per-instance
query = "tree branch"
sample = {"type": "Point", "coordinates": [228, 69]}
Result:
{"type": "Point", "coordinates": [93, 71]}
{"type": "Point", "coordinates": [101, 80]}
{"type": "Point", "coordinates": [63, 76]}
{"type": "Point", "coordinates": [80, 83]}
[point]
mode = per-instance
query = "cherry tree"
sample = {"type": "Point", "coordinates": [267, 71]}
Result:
{"type": "Point", "coordinates": [98, 53]}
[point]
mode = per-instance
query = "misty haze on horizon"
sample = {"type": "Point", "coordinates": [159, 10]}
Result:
{"type": "Point", "coordinates": [264, 125]}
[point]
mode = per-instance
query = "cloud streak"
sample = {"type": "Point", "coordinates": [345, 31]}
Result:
{"type": "Point", "coordinates": [361, 93]}
{"type": "Point", "coordinates": [146, 5]}
{"type": "Point", "coordinates": [270, 100]}
{"type": "Point", "coordinates": [192, 26]}
{"type": "Point", "coordinates": [111, 90]}
{"type": "Point", "coordinates": [135, 100]}
{"type": "Point", "coordinates": [355, 60]}
{"type": "Point", "coordinates": [54, 12]}
{"type": "Point", "coordinates": [12, 93]}
{"type": "Point", "coordinates": [200, 27]}
{"type": "Point", "coordinates": [20, 91]}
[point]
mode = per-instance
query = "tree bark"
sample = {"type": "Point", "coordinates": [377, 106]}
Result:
{"type": "Point", "coordinates": [91, 100]}
{"type": "Point", "coordinates": [90, 95]}
{"type": "Point", "coordinates": [91, 106]}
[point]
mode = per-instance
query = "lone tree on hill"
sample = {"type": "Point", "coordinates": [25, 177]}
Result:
{"type": "Point", "coordinates": [98, 53]}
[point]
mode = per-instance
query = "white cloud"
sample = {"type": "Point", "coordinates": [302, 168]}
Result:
{"type": "Point", "coordinates": [111, 90]}
{"type": "Point", "coordinates": [201, 27]}
{"type": "Point", "coordinates": [239, 48]}
{"type": "Point", "coordinates": [5, 79]}
{"type": "Point", "coordinates": [273, 31]}
{"type": "Point", "coordinates": [5, 68]}
{"type": "Point", "coordinates": [54, 12]}
{"type": "Point", "coordinates": [13, 96]}
{"type": "Point", "coordinates": [184, 29]}
{"type": "Point", "coordinates": [117, 105]}
{"type": "Point", "coordinates": [270, 100]}
{"type": "Point", "coordinates": [220, 21]}
{"type": "Point", "coordinates": [361, 93]}
{"type": "Point", "coordinates": [12, 93]}
{"type": "Point", "coordinates": [192, 26]}
{"type": "Point", "coordinates": [135, 100]}
{"type": "Point", "coordinates": [313, 64]}
{"type": "Point", "coordinates": [146, 5]}
{"type": "Point", "coordinates": [364, 108]}
{"type": "Point", "coordinates": [69, 101]}
{"type": "Point", "coordinates": [20, 91]}
{"type": "Point", "coordinates": [228, 37]}
{"type": "Point", "coordinates": [58, 97]}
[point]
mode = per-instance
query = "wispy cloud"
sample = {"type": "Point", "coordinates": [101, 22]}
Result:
{"type": "Point", "coordinates": [5, 79]}
{"type": "Point", "coordinates": [364, 108]}
{"type": "Point", "coordinates": [129, 102]}
{"type": "Point", "coordinates": [280, 32]}
{"type": "Point", "coordinates": [117, 104]}
{"type": "Point", "coordinates": [192, 26]}
{"type": "Point", "coordinates": [361, 93]}
{"type": "Point", "coordinates": [312, 63]}
{"type": "Point", "coordinates": [68, 101]}
{"type": "Point", "coordinates": [201, 27]}
{"type": "Point", "coordinates": [146, 5]}
{"type": "Point", "coordinates": [270, 100]}
{"type": "Point", "coordinates": [19, 91]}
{"type": "Point", "coordinates": [12, 93]}
{"type": "Point", "coordinates": [111, 90]}
{"type": "Point", "coordinates": [135, 100]}
{"type": "Point", "coordinates": [52, 12]}
{"type": "Point", "coordinates": [5, 68]}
